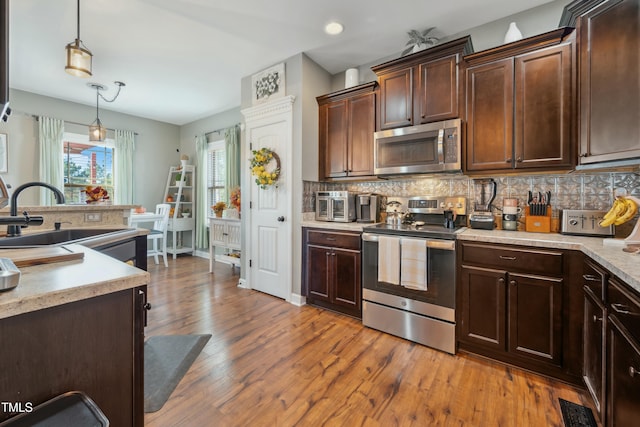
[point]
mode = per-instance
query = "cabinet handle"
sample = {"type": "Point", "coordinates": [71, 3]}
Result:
{"type": "Point", "coordinates": [584, 155]}
{"type": "Point", "coordinates": [633, 371]}
{"type": "Point", "coordinates": [333, 254]}
{"type": "Point", "coordinates": [331, 239]}
{"type": "Point", "coordinates": [590, 278]}
{"type": "Point", "coordinates": [622, 309]}
{"type": "Point", "coordinates": [508, 258]}
{"type": "Point", "coordinates": [501, 281]}
{"type": "Point", "coordinates": [596, 319]}
{"type": "Point", "coordinates": [327, 254]}
{"type": "Point", "coordinates": [519, 160]}
{"type": "Point", "coordinates": [513, 283]}
{"type": "Point", "coordinates": [508, 160]}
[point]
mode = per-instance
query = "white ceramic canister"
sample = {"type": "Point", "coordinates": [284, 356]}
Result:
{"type": "Point", "coordinates": [513, 33]}
{"type": "Point", "coordinates": [351, 78]}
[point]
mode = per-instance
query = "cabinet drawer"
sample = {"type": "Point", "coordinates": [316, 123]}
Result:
{"type": "Point", "coordinates": [595, 278]}
{"type": "Point", "coordinates": [532, 260]}
{"type": "Point", "coordinates": [331, 238]}
{"type": "Point", "coordinates": [624, 306]}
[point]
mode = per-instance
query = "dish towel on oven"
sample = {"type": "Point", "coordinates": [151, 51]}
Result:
{"type": "Point", "coordinates": [413, 264]}
{"type": "Point", "coordinates": [389, 259]}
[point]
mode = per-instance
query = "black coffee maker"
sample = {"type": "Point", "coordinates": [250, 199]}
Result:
{"type": "Point", "coordinates": [368, 207]}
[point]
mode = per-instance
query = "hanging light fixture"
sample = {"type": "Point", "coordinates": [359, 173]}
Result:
{"type": "Point", "coordinates": [97, 132]}
{"type": "Point", "coordinates": [78, 56]}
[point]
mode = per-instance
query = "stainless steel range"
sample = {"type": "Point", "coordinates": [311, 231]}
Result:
{"type": "Point", "coordinates": [409, 273]}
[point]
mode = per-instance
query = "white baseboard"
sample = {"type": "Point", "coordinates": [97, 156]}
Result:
{"type": "Point", "coordinates": [298, 300]}
{"type": "Point", "coordinates": [242, 283]}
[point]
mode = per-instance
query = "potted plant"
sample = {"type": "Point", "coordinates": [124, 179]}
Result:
{"type": "Point", "coordinates": [218, 208]}
{"type": "Point", "coordinates": [419, 41]}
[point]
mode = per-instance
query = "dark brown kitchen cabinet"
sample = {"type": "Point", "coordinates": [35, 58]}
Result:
{"type": "Point", "coordinates": [609, 55]}
{"type": "Point", "coordinates": [346, 126]}
{"type": "Point", "coordinates": [520, 105]}
{"type": "Point", "coordinates": [422, 87]}
{"type": "Point", "coordinates": [331, 270]}
{"type": "Point", "coordinates": [514, 305]}
{"type": "Point", "coordinates": [623, 364]}
{"type": "Point", "coordinates": [94, 345]}
{"type": "Point", "coordinates": [594, 332]}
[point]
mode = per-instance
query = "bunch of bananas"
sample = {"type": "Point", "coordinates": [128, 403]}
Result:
{"type": "Point", "coordinates": [622, 211]}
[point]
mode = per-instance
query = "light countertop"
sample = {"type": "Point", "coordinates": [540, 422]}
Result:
{"type": "Point", "coordinates": [48, 285]}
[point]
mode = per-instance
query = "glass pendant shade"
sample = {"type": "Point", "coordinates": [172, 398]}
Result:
{"type": "Point", "coordinates": [97, 132]}
{"type": "Point", "coordinates": [78, 59]}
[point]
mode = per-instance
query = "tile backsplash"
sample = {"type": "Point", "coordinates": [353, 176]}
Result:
{"type": "Point", "coordinates": [569, 191]}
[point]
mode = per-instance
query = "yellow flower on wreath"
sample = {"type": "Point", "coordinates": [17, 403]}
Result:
{"type": "Point", "coordinates": [259, 162]}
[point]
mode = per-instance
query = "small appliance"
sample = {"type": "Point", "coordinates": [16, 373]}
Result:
{"type": "Point", "coordinates": [337, 206]}
{"type": "Point", "coordinates": [482, 217]}
{"type": "Point", "coordinates": [584, 222]}
{"type": "Point", "coordinates": [369, 207]}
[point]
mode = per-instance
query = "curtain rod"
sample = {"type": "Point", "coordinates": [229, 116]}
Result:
{"type": "Point", "coordinates": [76, 123]}
{"type": "Point", "coordinates": [219, 130]}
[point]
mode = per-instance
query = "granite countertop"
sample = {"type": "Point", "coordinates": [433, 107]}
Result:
{"type": "Point", "coordinates": [48, 285]}
{"type": "Point", "coordinates": [624, 265]}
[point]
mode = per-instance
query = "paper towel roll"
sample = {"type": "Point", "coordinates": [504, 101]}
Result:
{"type": "Point", "coordinates": [351, 78]}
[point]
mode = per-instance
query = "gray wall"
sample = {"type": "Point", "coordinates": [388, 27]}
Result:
{"type": "Point", "coordinates": [155, 152]}
{"type": "Point", "coordinates": [219, 121]}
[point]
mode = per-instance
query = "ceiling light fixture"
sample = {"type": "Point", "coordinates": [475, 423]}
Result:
{"type": "Point", "coordinates": [333, 28]}
{"type": "Point", "coordinates": [78, 56]}
{"type": "Point", "coordinates": [97, 132]}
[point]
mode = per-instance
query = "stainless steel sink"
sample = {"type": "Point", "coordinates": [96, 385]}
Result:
{"type": "Point", "coordinates": [89, 237]}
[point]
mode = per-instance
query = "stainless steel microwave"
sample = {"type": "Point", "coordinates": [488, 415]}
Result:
{"type": "Point", "coordinates": [338, 206]}
{"type": "Point", "coordinates": [428, 148]}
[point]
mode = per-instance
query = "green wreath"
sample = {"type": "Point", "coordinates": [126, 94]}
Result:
{"type": "Point", "coordinates": [260, 161]}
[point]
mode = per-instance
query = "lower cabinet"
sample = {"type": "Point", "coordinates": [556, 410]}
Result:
{"type": "Point", "coordinates": [623, 364]}
{"type": "Point", "coordinates": [331, 270]}
{"type": "Point", "coordinates": [516, 305]}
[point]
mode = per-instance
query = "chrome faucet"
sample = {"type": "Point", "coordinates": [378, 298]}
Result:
{"type": "Point", "coordinates": [14, 230]}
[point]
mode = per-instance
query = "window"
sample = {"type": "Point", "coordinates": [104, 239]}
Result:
{"type": "Point", "coordinates": [216, 174]}
{"type": "Point", "coordinates": [86, 164]}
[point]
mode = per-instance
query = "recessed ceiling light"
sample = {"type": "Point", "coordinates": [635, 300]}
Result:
{"type": "Point", "coordinates": [333, 28]}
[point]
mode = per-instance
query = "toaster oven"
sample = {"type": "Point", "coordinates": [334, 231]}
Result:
{"type": "Point", "coordinates": [337, 206]}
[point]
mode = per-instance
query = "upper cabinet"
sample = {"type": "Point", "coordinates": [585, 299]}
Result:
{"type": "Point", "coordinates": [422, 87]}
{"type": "Point", "coordinates": [609, 40]}
{"type": "Point", "coordinates": [346, 125]}
{"type": "Point", "coordinates": [520, 105]}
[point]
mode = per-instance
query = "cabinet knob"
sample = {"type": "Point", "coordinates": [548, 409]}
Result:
{"type": "Point", "coordinates": [513, 283]}
{"type": "Point", "coordinates": [633, 371]}
{"type": "Point", "coordinates": [280, 219]}
{"type": "Point", "coordinates": [519, 160]}
{"type": "Point", "coordinates": [508, 160]}
{"type": "Point", "coordinates": [501, 281]}
{"type": "Point", "coordinates": [596, 319]}
{"type": "Point", "coordinates": [147, 306]}
{"type": "Point", "coordinates": [583, 155]}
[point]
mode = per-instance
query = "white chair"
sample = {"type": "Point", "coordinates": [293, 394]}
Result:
{"type": "Point", "coordinates": [159, 232]}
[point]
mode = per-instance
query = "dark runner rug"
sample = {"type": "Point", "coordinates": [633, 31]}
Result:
{"type": "Point", "coordinates": [166, 359]}
{"type": "Point", "coordinates": [575, 415]}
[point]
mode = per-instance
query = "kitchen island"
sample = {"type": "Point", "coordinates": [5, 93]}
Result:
{"type": "Point", "coordinates": [75, 325]}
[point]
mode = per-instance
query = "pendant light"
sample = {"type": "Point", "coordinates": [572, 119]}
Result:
{"type": "Point", "coordinates": [78, 56]}
{"type": "Point", "coordinates": [97, 132]}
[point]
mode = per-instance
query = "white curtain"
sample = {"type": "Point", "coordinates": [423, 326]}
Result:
{"type": "Point", "coordinates": [123, 167]}
{"type": "Point", "coordinates": [202, 214]}
{"type": "Point", "coordinates": [50, 136]}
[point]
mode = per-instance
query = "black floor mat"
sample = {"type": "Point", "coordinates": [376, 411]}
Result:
{"type": "Point", "coordinates": [575, 415]}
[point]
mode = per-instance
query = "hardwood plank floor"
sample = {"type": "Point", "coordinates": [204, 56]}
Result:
{"type": "Point", "coordinates": [270, 363]}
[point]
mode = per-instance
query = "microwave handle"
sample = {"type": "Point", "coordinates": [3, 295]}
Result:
{"type": "Point", "coordinates": [441, 146]}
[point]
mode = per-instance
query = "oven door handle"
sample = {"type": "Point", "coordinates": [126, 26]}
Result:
{"type": "Point", "coordinates": [445, 245]}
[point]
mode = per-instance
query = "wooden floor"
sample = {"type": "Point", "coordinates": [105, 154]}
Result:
{"type": "Point", "coordinates": [270, 363]}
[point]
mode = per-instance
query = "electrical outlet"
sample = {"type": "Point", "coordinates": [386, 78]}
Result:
{"type": "Point", "coordinates": [93, 217]}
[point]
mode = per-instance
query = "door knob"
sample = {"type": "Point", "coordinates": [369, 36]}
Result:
{"type": "Point", "coordinates": [280, 219]}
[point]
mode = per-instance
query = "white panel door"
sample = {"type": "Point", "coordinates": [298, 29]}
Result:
{"type": "Point", "coordinates": [270, 228]}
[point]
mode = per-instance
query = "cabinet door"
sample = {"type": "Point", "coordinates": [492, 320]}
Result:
{"type": "Point", "coordinates": [438, 90]}
{"type": "Point", "coordinates": [233, 235]}
{"type": "Point", "coordinates": [346, 286]}
{"type": "Point", "coordinates": [396, 99]}
{"type": "Point", "coordinates": [490, 116]}
{"type": "Point", "coordinates": [609, 40]}
{"type": "Point", "coordinates": [318, 272]}
{"type": "Point", "coordinates": [535, 317]}
{"type": "Point", "coordinates": [624, 378]}
{"type": "Point", "coordinates": [483, 300]}
{"type": "Point", "coordinates": [593, 346]}
{"type": "Point", "coordinates": [362, 125]}
{"type": "Point", "coordinates": [336, 139]}
{"type": "Point", "coordinates": [543, 122]}
{"type": "Point", "coordinates": [217, 232]}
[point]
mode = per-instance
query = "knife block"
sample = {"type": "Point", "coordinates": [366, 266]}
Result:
{"type": "Point", "coordinates": [538, 223]}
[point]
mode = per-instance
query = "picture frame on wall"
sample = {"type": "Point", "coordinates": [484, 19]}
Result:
{"type": "Point", "coordinates": [268, 84]}
{"type": "Point", "coordinates": [4, 153]}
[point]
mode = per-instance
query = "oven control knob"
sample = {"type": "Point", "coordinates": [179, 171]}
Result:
{"type": "Point", "coordinates": [442, 205]}
{"type": "Point", "coordinates": [459, 205]}
{"type": "Point", "coordinates": [573, 221]}
{"type": "Point", "coordinates": [449, 205]}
